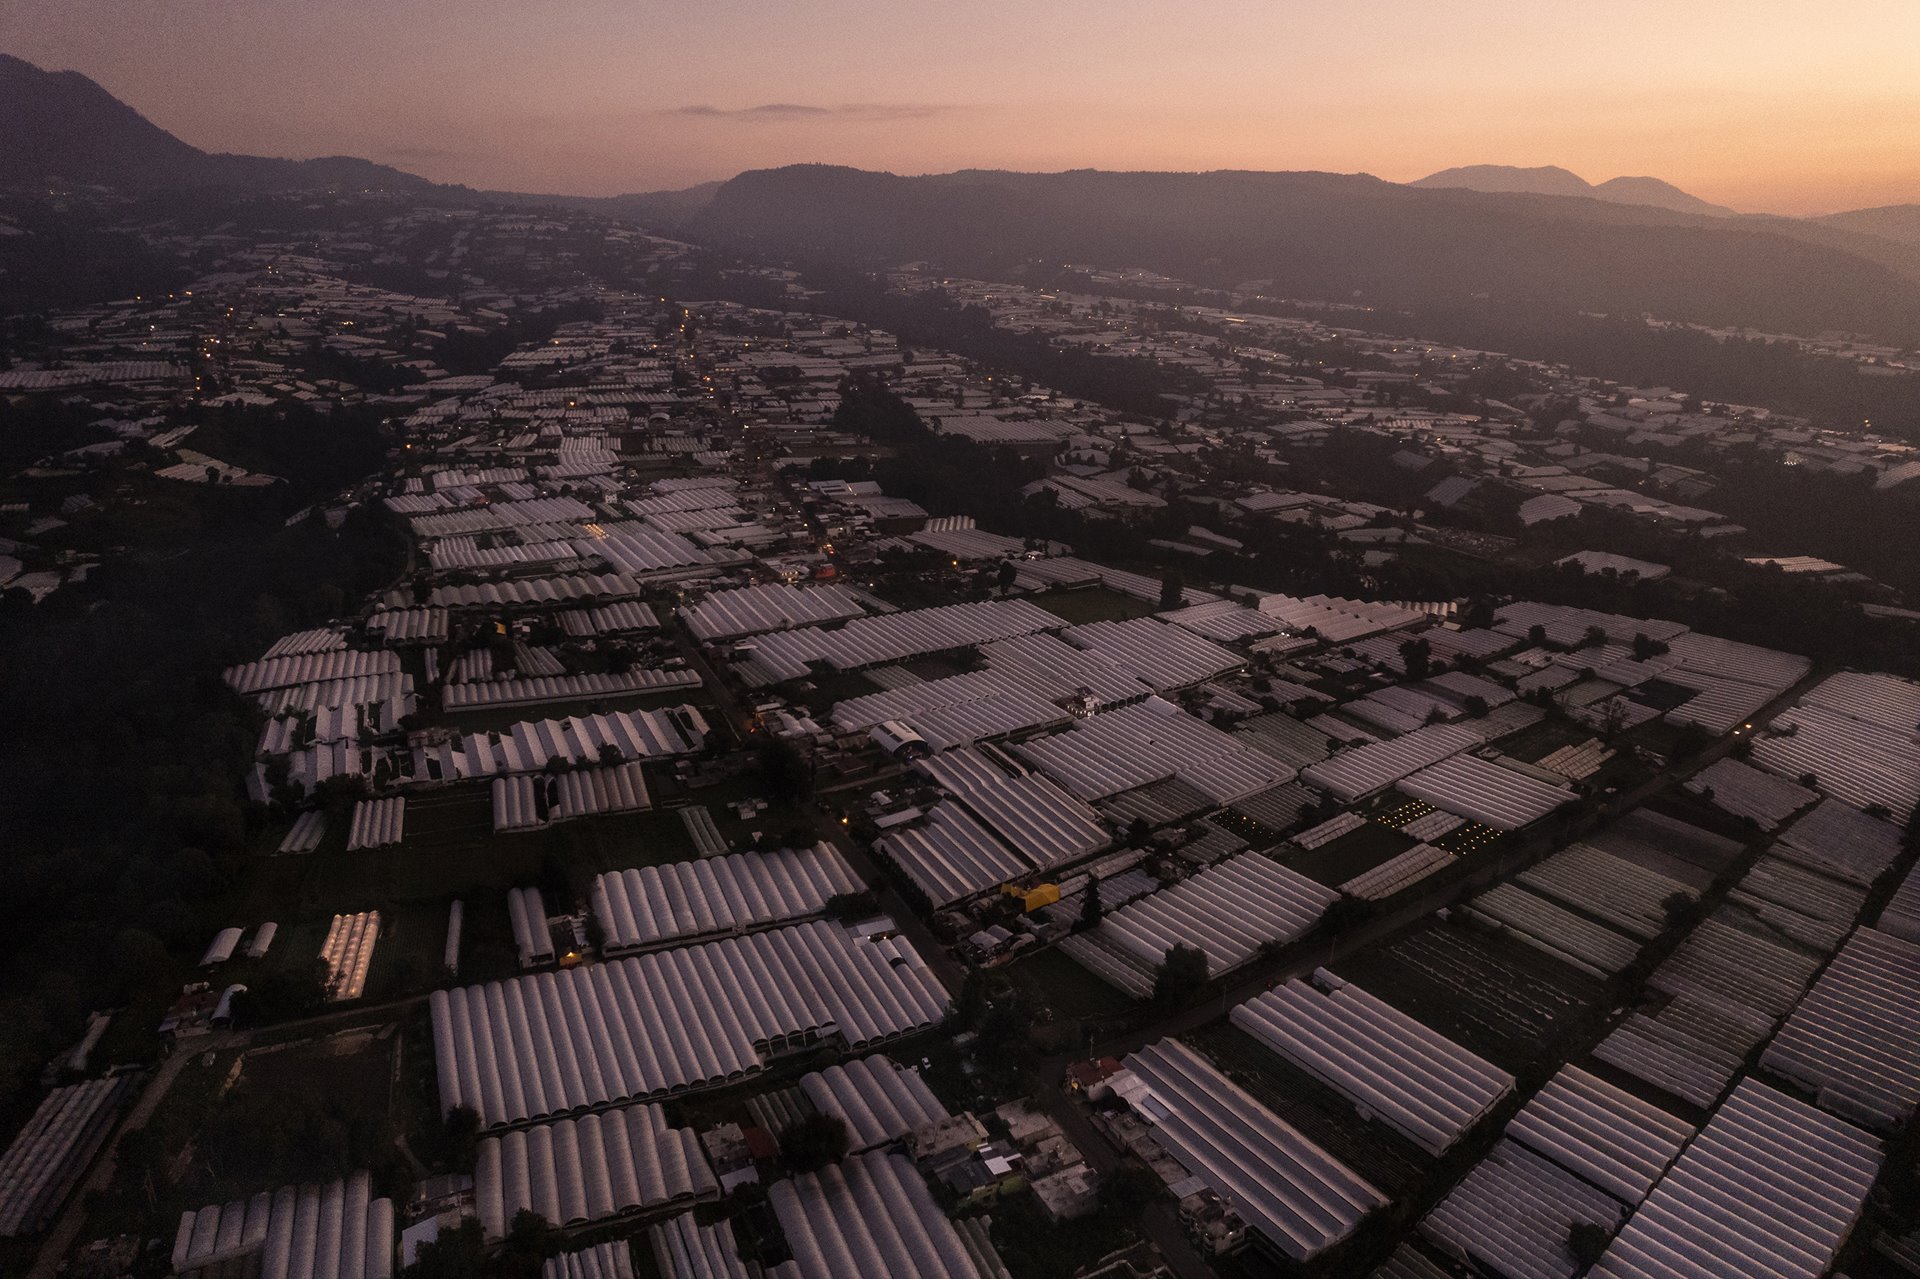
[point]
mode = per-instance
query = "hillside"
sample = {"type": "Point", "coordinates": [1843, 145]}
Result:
{"type": "Point", "coordinates": [1323, 235]}
{"type": "Point", "coordinates": [61, 126]}
{"type": "Point", "coordinates": [1899, 223]}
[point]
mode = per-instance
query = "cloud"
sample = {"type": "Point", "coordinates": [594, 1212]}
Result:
{"type": "Point", "coordinates": [785, 112]}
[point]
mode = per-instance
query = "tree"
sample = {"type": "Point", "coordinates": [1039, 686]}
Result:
{"type": "Point", "coordinates": [1418, 656]}
{"type": "Point", "coordinates": [1644, 647]}
{"type": "Point", "coordinates": [1090, 906]}
{"type": "Point", "coordinates": [976, 996]}
{"type": "Point", "coordinates": [1009, 574]}
{"type": "Point", "coordinates": [1345, 913]}
{"type": "Point", "coordinates": [810, 1144]}
{"type": "Point", "coordinates": [1586, 1241]}
{"type": "Point", "coordinates": [530, 1241]}
{"type": "Point", "coordinates": [1180, 975]}
{"type": "Point", "coordinates": [459, 1253]}
{"type": "Point", "coordinates": [1173, 592]}
{"type": "Point", "coordinates": [785, 775]}
{"type": "Point", "coordinates": [611, 755]}
{"type": "Point", "coordinates": [1129, 1189]}
{"type": "Point", "coordinates": [282, 995]}
{"type": "Point", "coordinates": [1679, 910]}
{"type": "Point", "coordinates": [460, 1131]}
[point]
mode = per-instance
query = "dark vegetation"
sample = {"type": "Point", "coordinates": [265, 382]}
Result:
{"type": "Point", "coordinates": [811, 1143]}
{"type": "Point", "coordinates": [69, 255]}
{"type": "Point", "coordinates": [125, 821]}
{"type": "Point", "coordinates": [1180, 976]}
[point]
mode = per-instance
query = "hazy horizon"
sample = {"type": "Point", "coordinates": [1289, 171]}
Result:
{"type": "Point", "coordinates": [1764, 107]}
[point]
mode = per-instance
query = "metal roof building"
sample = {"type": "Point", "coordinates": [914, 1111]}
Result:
{"type": "Point", "coordinates": [1378, 765]}
{"type": "Point", "coordinates": [878, 1100]}
{"type": "Point", "coordinates": [583, 792]}
{"type": "Point", "coordinates": [684, 1249]}
{"type": "Point", "coordinates": [48, 1156]}
{"type": "Point", "coordinates": [1300, 1199]}
{"type": "Point", "coordinates": [1149, 742]}
{"type": "Point", "coordinates": [1502, 798]}
{"type": "Point", "coordinates": [752, 610]}
{"type": "Point", "coordinates": [867, 1217]}
{"type": "Point", "coordinates": [672, 1020]}
{"type": "Point", "coordinates": [574, 1171]}
{"type": "Point", "coordinates": [335, 1231]}
{"type": "Point", "coordinates": [539, 690]}
{"type": "Point", "coordinates": [654, 905]}
{"type": "Point", "coordinates": [377, 823]}
{"type": "Point", "coordinates": [1854, 1039]}
{"type": "Point", "coordinates": [1393, 1069]}
{"type": "Point", "coordinates": [1040, 821]}
{"type": "Point", "coordinates": [1228, 910]}
{"type": "Point", "coordinates": [1770, 1187]}
{"type": "Point", "coordinates": [612, 1260]}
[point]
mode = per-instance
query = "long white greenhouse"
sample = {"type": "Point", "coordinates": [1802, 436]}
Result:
{"type": "Point", "coordinates": [672, 1020]}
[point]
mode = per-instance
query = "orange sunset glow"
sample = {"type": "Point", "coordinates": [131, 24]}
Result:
{"type": "Point", "coordinates": [1762, 105]}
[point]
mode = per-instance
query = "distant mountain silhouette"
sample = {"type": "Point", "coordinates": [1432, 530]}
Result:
{"type": "Point", "coordinates": [1659, 194]}
{"type": "Point", "coordinates": [1619, 248]}
{"type": "Point", "coordinates": [1510, 179]}
{"type": "Point", "coordinates": [1547, 179]}
{"type": "Point", "coordinates": [1328, 235]}
{"type": "Point", "coordinates": [61, 126]}
{"type": "Point", "coordinates": [1899, 223]}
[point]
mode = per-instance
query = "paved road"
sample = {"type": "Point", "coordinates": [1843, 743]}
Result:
{"type": "Point", "coordinates": [950, 971]}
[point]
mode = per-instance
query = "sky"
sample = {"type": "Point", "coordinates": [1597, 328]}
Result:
{"type": "Point", "coordinates": [1765, 105]}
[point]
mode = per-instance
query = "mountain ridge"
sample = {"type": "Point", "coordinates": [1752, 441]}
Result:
{"type": "Point", "coordinates": [63, 126]}
{"type": "Point", "coordinates": [1346, 236]}
{"type": "Point", "coordinates": [1551, 179]}
{"type": "Point", "coordinates": [1322, 234]}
